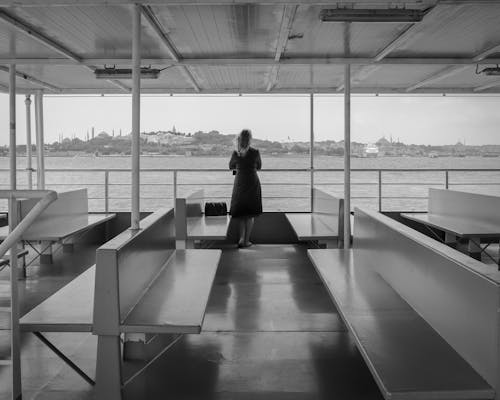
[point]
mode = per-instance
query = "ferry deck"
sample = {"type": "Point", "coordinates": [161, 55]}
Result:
{"type": "Point", "coordinates": [355, 313]}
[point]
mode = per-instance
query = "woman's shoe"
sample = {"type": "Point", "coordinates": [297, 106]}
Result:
{"type": "Point", "coordinates": [241, 244]}
{"type": "Point", "coordinates": [248, 244]}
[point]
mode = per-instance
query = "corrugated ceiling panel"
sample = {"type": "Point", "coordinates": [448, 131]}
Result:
{"type": "Point", "coordinates": [466, 78]}
{"type": "Point", "coordinates": [65, 76]}
{"type": "Point", "coordinates": [16, 44]}
{"type": "Point", "coordinates": [222, 31]}
{"type": "Point", "coordinates": [92, 31]}
{"type": "Point", "coordinates": [397, 76]}
{"type": "Point", "coordinates": [21, 84]}
{"type": "Point", "coordinates": [232, 77]}
{"type": "Point", "coordinates": [318, 76]}
{"type": "Point", "coordinates": [451, 30]}
{"type": "Point", "coordinates": [327, 39]}
{"type": "Point", "coordinates": [170, 78]}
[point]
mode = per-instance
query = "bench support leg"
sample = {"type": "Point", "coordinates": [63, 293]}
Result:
{"type": "Point", "coordinates": [189, 244]}
{"type": "Point", "coordinates": [474, 249]}
{"type": "Point", "coordinates": [46, 252]}
{"type": "Point", "coordinates": [180, 244]}
{"type": "Point", "coordinates": [108, 369]}
{"type": "Point", "coordinates": [450, 240]}
{"type": "Point", "coordinates": [63, 357]}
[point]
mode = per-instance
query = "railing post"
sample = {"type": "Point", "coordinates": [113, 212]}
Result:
{"type": "Point", "coordinates": [447, 179]}
{"type": "Point", "coordinates": [175, 187]}
{"type": "Point", "coordinates": [106, 191]}
{"type": "Point", "coordinates": [380, 190]}
{"type": "Point", "coordinates": [311, 150]}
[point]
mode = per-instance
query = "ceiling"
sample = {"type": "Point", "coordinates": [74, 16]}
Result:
{"type": "Point", "coordinates": [224, 46]}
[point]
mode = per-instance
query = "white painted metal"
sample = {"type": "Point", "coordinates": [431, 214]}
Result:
{"type": "Point", "coordinates": [33, 80]}
{"type": "Point", "coordinates": [40, 169]}
{"type": "Point", "coordinates": [347, 156]}
{"type": "Point", "coordinates": [281, 41]}
{"type": "Point", "coordinates": [487, 86]}
{"type": "Point", "coordinates": [29, 167]}
{"type": "Point", "coordinates": [311, 148]}
{"type": "Point", "coordinates": [136, 116]}
{"type": "Point", "coordinates": [12, 128]}
{"type": "Point", "coordinates": [445, 73]}
{"type": "Point", "coordinates": [150, 17]}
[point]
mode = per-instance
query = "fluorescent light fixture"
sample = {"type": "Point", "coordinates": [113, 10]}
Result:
{"type": "Point", "coordinates": [125, 73]}
{"type": "Point", "coordinates": [371, 15]}
{"type": "Point", "coordinates": [491, 71]}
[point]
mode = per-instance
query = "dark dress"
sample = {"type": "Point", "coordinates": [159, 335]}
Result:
{"type": "Point", "coordinates": [246, 200]}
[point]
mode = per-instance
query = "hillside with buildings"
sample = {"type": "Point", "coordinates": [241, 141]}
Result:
{"type": "Point", "coordinates": [214, 143]}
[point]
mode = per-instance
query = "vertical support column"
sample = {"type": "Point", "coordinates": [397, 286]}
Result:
{"type": "Point", "coordinates": [311, 149]}
{"type": "Point", "coordinates": [40, 169]}
{"type": "Point", "coordinates": [174, 189]}
{"type": "Point", "coordinates": [136, 115]}
{"type": "Point", "coordinates": [29, 166]}
{"type": "Point", "coordinates": [347, 156]}
{"type": "Point", "coordinates": [379, 190]}
{"type": "Point", "coordinates": [12, 127]}
{"type": "Point", "coordinates": [106, 192]}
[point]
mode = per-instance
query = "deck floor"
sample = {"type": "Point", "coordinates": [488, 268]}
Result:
{"type": "Point", "coordinates": [270, 332]}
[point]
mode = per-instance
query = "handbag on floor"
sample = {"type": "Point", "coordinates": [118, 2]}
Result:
{"type": "Point", "coordinates": [215, 208]}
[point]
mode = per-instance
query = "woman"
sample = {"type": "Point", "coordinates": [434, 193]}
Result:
{"type": "Point", "coordinates": [246, 201]}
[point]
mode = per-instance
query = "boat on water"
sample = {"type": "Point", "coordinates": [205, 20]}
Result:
{"type": "Point", "coordinates": [371, 150]}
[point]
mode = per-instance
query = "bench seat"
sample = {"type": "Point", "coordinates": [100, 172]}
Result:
{"type": "Point", "coordinates": [68, 310]}
{"type": "Point", "coordinates": [407, 357]}
{"type": "Point", "coordinates": [463, 227]}
{"type": "Point", "coordinates": [176, 300]}
{"type": "Point", "coordinates": [208, 228]}
{"type": "Point", "coordinates": [60, 227]}
{"type": "Point", "coordinates": [314, 226]}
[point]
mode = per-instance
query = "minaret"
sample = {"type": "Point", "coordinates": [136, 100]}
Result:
{"type": "Point", "coordinates": [92, 132]}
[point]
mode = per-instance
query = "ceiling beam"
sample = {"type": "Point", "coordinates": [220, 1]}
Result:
{"type": "Point", "coordinates": [333, 3]}
{"type": "Point", "coordinates": [281, 42]}
{"type": "Point", "coordinates": [291, 90]}
{"type": "Point", "coordinates": [452, 70]}
{"type": "Point", "coordinates": [487, 86]}
{"type": "Point", "coordinates": [444, 73]}
{"type": "Point", "coordinates": [156, 25]}
{"type": "Point", "coordinates": [193, 62]}
{"type": "Point", "coordinates": [484, 54]}
{"type": "Point", "coordinates": [33, 80]}
{"type": "Point", "coordinates": [32, 32]}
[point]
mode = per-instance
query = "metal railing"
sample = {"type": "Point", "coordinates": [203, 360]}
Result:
{"type": "Point", "coordinates": [384, 189]}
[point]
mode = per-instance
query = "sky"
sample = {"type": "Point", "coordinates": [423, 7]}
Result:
{"type": "Point", "coordinates": [433, 120]}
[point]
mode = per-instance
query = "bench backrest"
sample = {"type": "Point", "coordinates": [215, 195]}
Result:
{"type": "Point", "coordinates": [457, 295]}
{"type": "Point", "coordinates": [185, 207]}
{"type": "Point", "coordinates": [71, 203]}
{"type": "Point", "coordinates": [464, 205]}
{"type": "Point", "coordinates": [325, 203]}
{"type": "Point", "coordinates": [126, 266]}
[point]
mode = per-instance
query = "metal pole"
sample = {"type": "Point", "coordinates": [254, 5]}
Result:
{"type": "Point", "coordinates": [12, 126]}
{"type": "Point", "coordinates": [29, 166]}
{"type": "Point", "coordinates": [379, 190]}
{"type": "Point", "coordinates": [40, 168]}
{"type": "Point", "coordinates": [175, 187]}
{"type": "Point", "coordinates": [311, 149]}
{"type": "Point", "coordinates": [136, 115]}
{"type": "Point", "coordinates": [447, 180]}
{"type": "Point", "coordinates": [106, 192]}
{"type": "Point", "coordinates": [347, 156]}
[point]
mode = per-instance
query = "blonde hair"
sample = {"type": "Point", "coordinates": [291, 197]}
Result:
{"type": "Point", "coordinates": [243, 140]}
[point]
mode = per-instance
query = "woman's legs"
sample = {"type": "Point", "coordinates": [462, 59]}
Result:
{"type": "Point", "coordinates": [248, 230]}
{"type": "Point", "coordinates": [242, 226]}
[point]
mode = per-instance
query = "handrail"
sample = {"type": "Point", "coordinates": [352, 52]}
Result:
{"type": "Point", "coordinates": [47, 197]}
{"type": "Point", "coordinates": [267, 169]}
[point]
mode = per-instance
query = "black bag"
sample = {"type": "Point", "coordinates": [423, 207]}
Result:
{"type": "Point", "coordinates": [214, 209]}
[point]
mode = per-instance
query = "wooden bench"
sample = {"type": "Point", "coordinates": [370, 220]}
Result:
{"type": "Point", "coordinates": [424, 316]}
{"type": "Point", "coordinates": [325, 224]}
{"type": "Point", "coordinates": [61, 222]}
{"type": "Point", "coordinates": [192, 225]}
{"type": "Point", "coordinates": [145, 287]}
{"type": "Point", "coordinates": [469, 216]}
{"type": "Point", "coordinates": [140, 285]}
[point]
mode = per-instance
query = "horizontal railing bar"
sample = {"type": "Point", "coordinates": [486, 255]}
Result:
{"type": "Point", "coordinates": [416, 170]}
